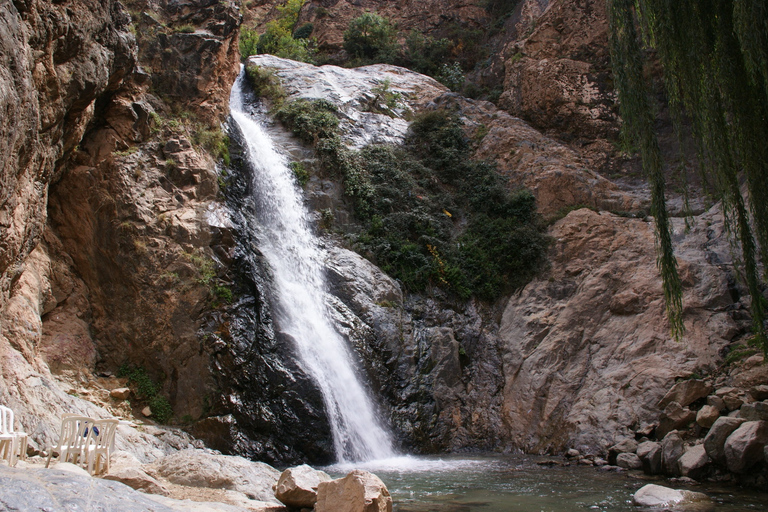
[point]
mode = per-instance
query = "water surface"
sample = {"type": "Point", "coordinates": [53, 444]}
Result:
{"type": "Point", "coordinates": [495, 483]}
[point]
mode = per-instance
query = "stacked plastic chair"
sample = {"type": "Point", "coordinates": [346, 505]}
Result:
{"type": "Point", "coordinates": [13, 444]}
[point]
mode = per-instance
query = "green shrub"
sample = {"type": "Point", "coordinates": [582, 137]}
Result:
{"type": "Point", "coordinates": [370, 39]}
{"type": "Point", "coordinates": [265, 83]}
{"type": "Point", "coordinates": [425, 54]}
{"type": "Point", "coordinates": [249, 42]}
{"type": "Point", "coordinates": [279, 38]}
{"type": "Point", "coordinates": [300, 172]}
{"type": "Point", "coordinates": [304, 31]}
{"type": "Point", "coordinates": [310, 120]}
{"type": "Point", "coordinates": [215, 141]}
{"type": "Point", "coordinates": [451, 76]}
{"type": "Point", "coordinates": [161, 409]}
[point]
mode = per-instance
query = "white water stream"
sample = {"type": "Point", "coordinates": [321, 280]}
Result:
{"type": "Point", "coordinates": [296, 260]}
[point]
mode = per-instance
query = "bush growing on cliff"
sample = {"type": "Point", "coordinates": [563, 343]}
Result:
{"type": "Point", "coordinates": [371, 39]}
{"type": "Point", "coordinates": [146, 389]}
{"type": "Point", "coordinates": [431, 215]}
{"type": "Point", "coordinates": [280, 38]}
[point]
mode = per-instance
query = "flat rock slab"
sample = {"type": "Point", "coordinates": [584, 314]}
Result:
{"type": "Point", "coordinates": [657, 496]}
{"type": "Point", "coordinates": [51, 490]}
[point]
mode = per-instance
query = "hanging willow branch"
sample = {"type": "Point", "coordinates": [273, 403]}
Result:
{"type": "Point", "coordinates": [714, 54]}
{"type": "Point", "coordinates": [637, 113]}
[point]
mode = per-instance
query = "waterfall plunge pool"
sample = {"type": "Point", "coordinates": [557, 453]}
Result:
{"type": "Point", "coordinates": [501, 483]}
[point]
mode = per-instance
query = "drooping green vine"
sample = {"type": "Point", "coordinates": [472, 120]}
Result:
{"type": "Point", "coordinates": [637, 112]}
{"type": "Point", "coordinates": [714, 55]}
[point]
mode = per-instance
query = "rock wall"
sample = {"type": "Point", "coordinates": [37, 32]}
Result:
{"type": "Point", "coordinates": [110, 249]}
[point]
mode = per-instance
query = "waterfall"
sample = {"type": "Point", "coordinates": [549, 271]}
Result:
{"type": "Point", "coordinates": [296, 258]}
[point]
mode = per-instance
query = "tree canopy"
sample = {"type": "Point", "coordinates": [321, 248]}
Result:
{"type": "Point", "coordinates": [714, 56]}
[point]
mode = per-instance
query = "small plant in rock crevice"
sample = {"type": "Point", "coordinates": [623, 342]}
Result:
{"type": "Point", "coordinates": [146, 389]}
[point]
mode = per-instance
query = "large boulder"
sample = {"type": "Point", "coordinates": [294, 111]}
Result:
{"type": "Point", "coordinates": [196, 468]}
{"type": "Point", "coordinates": [744, 448]}
{"type": "Point", "coordinates": [297, 487]}
{"type": "Point", "coordinates": [672, 449]}
{"type": "Point", "coordinates": [359, 491]}
{"type": "Point", "coordinates": [686, 392]}
{"type": "Point", "coordinates": [657, 496]}
{"type": "Point", "coordinates": [714, 442]}
{"type": "Point", "coordinates": [674, 417]}
{"type": "Point", "coordinates": [627, 445]}
{"type": "Point", "coordinates": [650, 456]}
{"type": "Point", "coordinates": [757, 411]}
{"type": "Point", "coordinates": [694, 462]}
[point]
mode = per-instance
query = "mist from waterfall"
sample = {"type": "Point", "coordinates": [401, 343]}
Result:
{"type": "Point", "coordinates": [295, 258]}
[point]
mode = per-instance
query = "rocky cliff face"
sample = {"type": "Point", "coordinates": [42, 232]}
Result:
{"type": "Point", "coordinates": [108, 249]}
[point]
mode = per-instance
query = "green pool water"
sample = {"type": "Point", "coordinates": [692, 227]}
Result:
{"type": "Point", "coordinates": [494, 483]}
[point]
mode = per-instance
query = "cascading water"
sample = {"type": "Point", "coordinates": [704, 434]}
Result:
{"type": "Point", "coordinates": [296, 260]}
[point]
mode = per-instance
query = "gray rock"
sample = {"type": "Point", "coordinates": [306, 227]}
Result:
{"type": "Point", "coordinates": [629, 461]}
{"type": "Point", "coordinates": [721, 392]}
{"type": "Point", "coordinates": [707, 416]}
{"type": "Point", "coordinates": [657, 496]}
{"type": "Point", "coordinates": [686, 392]}
{"type": "Point", "coordinates": [674, 417]}
{"type": "Point", "coordinates": [650, 455]}
{"type": "Point", "coordinates": [33, 490]}
{"type": "Point", "coordinates": [746, 445]}
{"type": "Point", "coordinates": [572, 453]}
{"type": "Point", "coordinates": [624, 446]}
{"type": "Point", "coordinates": [757, 411]}
{"type": "Point", "coordinates": [695, 462]}
{"type": "Point", "coordinates": [714, 442]}
{"type": "Point", "coordinates": [672, 449]}
{"type": "Point", "coordinates": [297, 487]}
{"type": "Point", "coordinates": [359, 491]}
{"type": "Point", "coordinates": [716, 402]}
{"type": "Point", "coordinates": [197, 468]}
{"type": "Point", "coordinates": [759, 392]}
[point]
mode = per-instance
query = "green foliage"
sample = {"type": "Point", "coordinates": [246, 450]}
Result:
{"type": "Point", "coordinates": [215, 141]}
{"type": "Point", "coordinates": [266, 83]}
{"type": "Point", "coordinates": [310, 120]}
{"type": "Point", "coordinates": [304, 31]}
{"type": "Point", "coordinates": [249, 42]}
{"type": "Point", "coordinates": [371, 39]}
{"type": "Point", "coordinates": [385, 100]}
{"type": "Point", "coordinates": [722, 86]}
{"type": "Point", "coordinates": [451, 76]}
{"type": "Point", "coordinates": [426, 54]}
{"type": "Point", "coordinates": [184, 29]}
{"type": "Point", "coordinates": [419, 197]}
{"type": "Point", "coordinates": [161, 408]}
{"type": "Point", "coordinates": [301, 173]}
{"type": "Point", "coordinates": [279, 37]}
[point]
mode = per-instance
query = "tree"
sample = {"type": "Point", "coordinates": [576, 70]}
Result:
{"type": "Point", "coordinates": [714, 55]}
{"type": "Point", "coordinates": [371, 38]}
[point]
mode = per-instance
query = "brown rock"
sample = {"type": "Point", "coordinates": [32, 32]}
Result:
{"type": "Point", "coordinates": [714, 442]}
{"type": "Point", "coordinates": [686, 392]}
{"type": "Point", "coordinates": [297, 487]}
{"type": "Point", "coordinates": [650, 456]}
{"type": "Point", "coordinates": [759, 392]}
{"type": "Point", "coordinates": [757, 411]}
{"type": "Point", "coordinates": [120, 393]}
{"type": "Point", "coordinates": [732, 402]}
{"type": "Point", "coordinates": [672, 449]}
{"type": "Point", "coordinates": [629, 461]}
{"type": "Point", "coordinates": [146, 411]}
{"type": "Point", "coordinates": [359, 491]}
{"type": "Point", "coordinates": [694, 462]}
{"type": "Point", "coordinates": [745, 446]}
{"type": "Point", "coordinates": [707, 416]}
{"type": "Point", "coordinates": [716, 402]}
{"type": "Point", "coordinates": [674, 417]}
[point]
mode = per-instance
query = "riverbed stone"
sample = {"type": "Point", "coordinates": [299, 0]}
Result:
{"type": "Point", "coordinates": [674, 417]}
{"type": "Point", "coordinates": [695, 462]}
{"type": "Point", "coordinates": [686, 392]}
{"type": "Point", "coordinates": [297, 487]}
{"type": "Point", "coordinates": [707, 416]}
{"type": "Point", "coordinates": [745, 446]}
{"type": "Point", "coordinates": [714, 442]}
{"type": "Point", "coordinates": [359, 491]}
{"type": "Point", "coordinates": [672, 449]}
{"type": "Point", "coordinates": [650, 456]}
{"type": "Point", "coordinates": [629, 461]}
{"type": "Point", "coordinates": [657, 496]}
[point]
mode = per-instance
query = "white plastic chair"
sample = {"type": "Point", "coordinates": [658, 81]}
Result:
{"type": "Point", "coordinates": [101, 440]}
{"type": "Point", "coordinates": [73, 440]}
{"type": "Point", "coordinates": [13, 444]}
